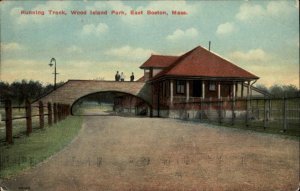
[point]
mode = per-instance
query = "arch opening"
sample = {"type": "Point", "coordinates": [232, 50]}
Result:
{"type": "Point", "coordinates": [111, 103]}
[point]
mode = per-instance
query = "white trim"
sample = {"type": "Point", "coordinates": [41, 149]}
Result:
{"type": "Point", "coordinates": [219, 90]}
{"type": "Point", "coordinates": [203, 89]}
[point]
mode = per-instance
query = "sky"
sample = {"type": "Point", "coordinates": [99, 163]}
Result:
{"type": "Point", "coordinates": [259, 36]}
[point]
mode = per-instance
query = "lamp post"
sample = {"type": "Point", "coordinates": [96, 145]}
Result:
{"type": "Point", "coordinates": [55, 73]}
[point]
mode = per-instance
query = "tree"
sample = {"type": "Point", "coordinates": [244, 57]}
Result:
{"type": "Point", "coordinates": [284, 90]}
{"type": "Point", "coordinates": [19, 91]}
{"type": "Point", "coordinates": [290, 90]}
{"type": "Point", "coordinates": [277, 90]}
{"type": "Point", "coordinates": [262, 87]}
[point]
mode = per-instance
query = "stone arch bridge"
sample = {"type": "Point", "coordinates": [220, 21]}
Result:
{"type": "Point", "coordinates": [73, 90]}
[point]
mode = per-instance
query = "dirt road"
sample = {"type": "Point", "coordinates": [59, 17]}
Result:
{"type": "Point", "coordinates": [119, 153]}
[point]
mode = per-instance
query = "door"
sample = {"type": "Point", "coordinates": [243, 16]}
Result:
{"type": "Point", "coordinates": [197, 88]}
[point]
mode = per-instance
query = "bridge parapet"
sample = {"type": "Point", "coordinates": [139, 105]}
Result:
{"type": "Point", "coordinates": [72, 90]}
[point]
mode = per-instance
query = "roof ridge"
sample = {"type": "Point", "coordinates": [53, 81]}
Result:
{"type": "Point", "coordinates": [229, 61]}
{"type": "Point", "coordinates": [180, 58]}
{"type": "Point", "coordinates": [209, 61]}
{"type": "Point", "coordinates": [163, 55]}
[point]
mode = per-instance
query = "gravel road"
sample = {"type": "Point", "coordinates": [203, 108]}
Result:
{"type": "Point", "coordinates": [122, 153]}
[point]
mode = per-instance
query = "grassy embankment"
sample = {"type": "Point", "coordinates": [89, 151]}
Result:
{"type": "Point", "coordinates": [26, 152]}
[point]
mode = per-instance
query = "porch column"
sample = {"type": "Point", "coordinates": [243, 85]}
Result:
{"type": "Point", "coordinates": [203, 89]}
{"type": "Point", "coordinates": [187, 90]}
{"type": "Point", "coordinates": [242, 89]}
{"type": "Point", "coordinates": [233, 90]}
{"type": "Point", "coordinates": [171, 91]}
{"type": "Point", "coordinates": [248, 89]}
{"type": "Point", "coordinates": [219, 90]}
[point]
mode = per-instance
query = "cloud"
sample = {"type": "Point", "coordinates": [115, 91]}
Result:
{"type": "Point", "coordinates": [99, 29]}
{"type": "Point", "coordinates": [170, 6]}
{"type": "Point", "coordinates": [280, 73]}
{"type": "Point", "coordinates": [250, 11]}
{"type": "Point", "coordinates": [12, 46]}
{"type": "Point", "coordinates": [18, 69]}
{"type": "Point", "coordinates": [279, 8]}
{"type": "Point", "coordinates": [251, 55]}
{"type": "Point", "coordinates": [128, 52]}
{"type": "Point", "coordinates": [226, 29]}
{"type": "Point", "coordinates": [292, 41]}
{"type": "Point", "coordinates": [179, 34]}
{"type": "Point", "coordinates": [74, 49]}
{"type": "Point", "coordinates": [109, 5]}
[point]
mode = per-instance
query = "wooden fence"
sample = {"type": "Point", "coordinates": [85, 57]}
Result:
{"type": "Point", "coordinates": [55, 112]}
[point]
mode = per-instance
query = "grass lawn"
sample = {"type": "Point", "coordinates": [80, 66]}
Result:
{"type": "Point", "coordinates": [40, 145]}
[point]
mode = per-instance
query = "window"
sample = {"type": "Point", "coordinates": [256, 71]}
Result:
{"type": "Point", "coordinates": [212, 86]}
{"type": "Point", "coordinates": [180, 85]}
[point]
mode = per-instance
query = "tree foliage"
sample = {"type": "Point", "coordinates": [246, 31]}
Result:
{"type": "Point", "coordinates": [280, 90]}
{"type": "Point", "coordinates": [19, 91]}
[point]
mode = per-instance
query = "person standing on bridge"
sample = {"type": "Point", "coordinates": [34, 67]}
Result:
{"type": "Point", "coordinates": [132, 77]}
{"type": "Point", "coordinates": [122, 77]}
{"type": "Point", "coordinates": [117, 76]}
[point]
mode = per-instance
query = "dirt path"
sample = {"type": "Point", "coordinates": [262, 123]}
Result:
{"type": "Point", "coordinates": [118, 153]}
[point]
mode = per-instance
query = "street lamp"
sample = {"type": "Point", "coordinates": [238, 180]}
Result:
{"type": "Point", "coordinates": [55, 73]}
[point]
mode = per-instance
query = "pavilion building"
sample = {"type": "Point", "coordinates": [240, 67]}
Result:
{"type": "Point", "coordinates": [193, 77]}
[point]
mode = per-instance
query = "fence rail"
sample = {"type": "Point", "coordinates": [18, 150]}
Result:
{"type": "Point", "coordinates": [55, 113]}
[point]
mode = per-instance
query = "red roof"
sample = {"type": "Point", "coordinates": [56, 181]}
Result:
{"type": "Point", "coordinates": [159, 61]}
{"type": "Point", "coordinates": [200, 62]}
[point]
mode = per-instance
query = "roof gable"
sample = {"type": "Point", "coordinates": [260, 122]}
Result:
{"type": "Point", "coordinates": [159, 61]}
{"type": "Point", "coordinates": [200, 62]}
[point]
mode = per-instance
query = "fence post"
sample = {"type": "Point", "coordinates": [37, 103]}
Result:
{"type": "Point", "coordinates": [284, 114]}
{"type": "Point", "coordinates": [58, 112]}
{"type": "Point", "coordinates": [69, 110]}
{"type": "Point", "coordinates": [247, 111]}
{"type": "Point", "coordinates": [61, 112]}
{"type": "Point", "coordinates": [8, 122]}
{"type": "Point", "coordinates": [201, 108]}
{"type": "Point", "coordinates": [49, 114]}
{"type": "Point", "coordinates": [232, 111]}
{"type": "Point", "coordinates": [64, 111]}
{"type": "Point", "coordinates": [270, 109]}
{"type": "Point", "coordinates": [55, 112]}
{"type": "Point", "coordinates": [28, 118]}
{"type": "Point", "coordinates": [58, 115]}
{"type": "Point", "coordinates": [265, 114]}
{"type": "Point", "coordinates": [41, 114]}
{"type": "Point", "coordinates": [257, 109]}
{"type": "Point", "coordinates": [220, 106]}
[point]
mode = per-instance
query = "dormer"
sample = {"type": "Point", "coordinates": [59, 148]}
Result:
{"type": "Point", "coordinates": [155, 64]}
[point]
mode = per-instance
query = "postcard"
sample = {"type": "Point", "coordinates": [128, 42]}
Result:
{"type": "Point", "coordinates": [149, 95]}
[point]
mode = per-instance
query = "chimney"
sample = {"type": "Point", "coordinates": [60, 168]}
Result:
{"type": "Point", "coordinates": [209, 46]}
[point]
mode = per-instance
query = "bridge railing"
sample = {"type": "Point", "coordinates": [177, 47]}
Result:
{"type": "Point", "coordinates": [30, 114]}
